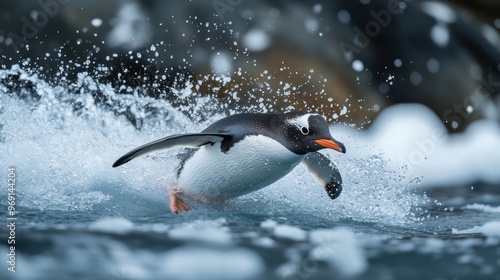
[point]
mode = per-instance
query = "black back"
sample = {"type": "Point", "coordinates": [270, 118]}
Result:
{"type": "Point", "coordinates": [275, 126]}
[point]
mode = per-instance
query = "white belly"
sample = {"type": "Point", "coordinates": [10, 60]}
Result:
{"type": "Point", "coordinates": [251, 164]}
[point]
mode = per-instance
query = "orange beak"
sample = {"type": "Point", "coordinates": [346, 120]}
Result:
{"type": "Point", "coordinates": [331, 144]}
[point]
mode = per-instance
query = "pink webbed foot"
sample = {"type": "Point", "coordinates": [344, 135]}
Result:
{"type": "Point", "coordinates": [178, 205]}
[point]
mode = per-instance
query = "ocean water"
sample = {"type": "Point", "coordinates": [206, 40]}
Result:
{"type": "Point", "coordinates": [416, 204]}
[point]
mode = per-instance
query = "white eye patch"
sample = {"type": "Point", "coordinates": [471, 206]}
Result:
{"type": "Point", "coordinates": [302, 123]}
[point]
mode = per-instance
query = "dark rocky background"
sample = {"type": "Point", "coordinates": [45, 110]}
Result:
{"type": "Point", "coordinates": [445, 55]}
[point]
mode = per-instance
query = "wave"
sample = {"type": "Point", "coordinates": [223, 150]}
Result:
{"type": "Point", "coordinates": [62, 139]}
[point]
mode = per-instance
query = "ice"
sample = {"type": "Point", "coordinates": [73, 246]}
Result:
{"type": "Point", "coordinates": [482, 208]}
{"type": "Point", "coordinates": [265, 242]}
{"type": "Point", "coordinates": [284, 231]}
{"type": "Point", "coordinates": [116, 225]}
{"type": "Point", "coordinates": [289, 232]}
{"type": "Point", "coordinates": [206, 231]}
{"type": "Point", "coordinates": [186, 263]}
{"type": "Point", "coordinates": [340, 248]}
{"type": "Point", "coordinates": [78, 253]}
{"type": "Point", "coordinates": [432, 245]}
{"type": "Point", "coordinates": [268, 224]}
{"type": "Point", "coordinates": [415, 144]}
{"type": "Point", "coordinates": [478, 161]}
{"type": "Point", "coordinates": [489, 229]}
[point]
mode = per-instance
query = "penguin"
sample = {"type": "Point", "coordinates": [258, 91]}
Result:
{"type": "Point", "coordinates": [243, 153]}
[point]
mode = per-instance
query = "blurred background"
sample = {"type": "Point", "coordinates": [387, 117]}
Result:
{"type": "Point", "coordinates": [347, 59]}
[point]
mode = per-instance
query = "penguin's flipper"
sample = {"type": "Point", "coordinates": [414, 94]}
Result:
{"type": "Point", "coordinates": [193, 140]}
{"type": "Point", "coordinates": [325, 172]}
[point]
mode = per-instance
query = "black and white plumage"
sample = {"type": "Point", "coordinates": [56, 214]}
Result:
{"type": "Point", "coordinates": [243, 153]}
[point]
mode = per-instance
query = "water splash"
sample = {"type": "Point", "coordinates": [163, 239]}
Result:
{"type": "Point", "coordinates": [64, 138]}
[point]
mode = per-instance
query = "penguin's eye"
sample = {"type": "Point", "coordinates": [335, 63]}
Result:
{"type": "Point", "coordinates": [304, 130]}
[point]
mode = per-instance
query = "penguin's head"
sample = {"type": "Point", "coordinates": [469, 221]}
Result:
{"type": "Point", "coordinates": [309, 132]}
